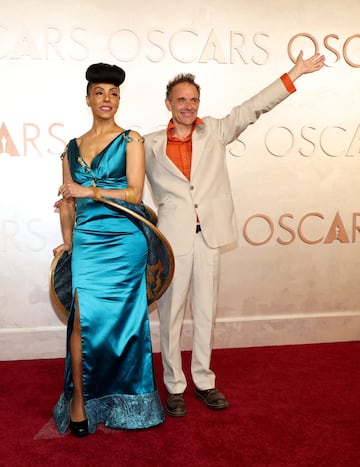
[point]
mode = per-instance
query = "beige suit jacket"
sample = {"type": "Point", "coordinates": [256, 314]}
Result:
{"type": "Point", "coordinates": [208, 193]}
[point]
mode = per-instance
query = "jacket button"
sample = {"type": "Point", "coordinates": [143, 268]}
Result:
{"type": "Point", "coordinates": [191, 187]}
{"type": "Point", "coordinates": [196, 206]}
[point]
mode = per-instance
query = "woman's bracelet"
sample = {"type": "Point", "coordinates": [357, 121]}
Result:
{"type": "Point", "coordinates": [96, 192]}
{"type": "Point", "coordinates": [130, 195]}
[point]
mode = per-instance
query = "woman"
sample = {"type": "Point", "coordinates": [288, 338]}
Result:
{"type": "Point", "coordinates": [109, 374]}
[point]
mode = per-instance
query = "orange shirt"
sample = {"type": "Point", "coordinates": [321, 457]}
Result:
{"type": "Point", "coordinates": [179, 150]}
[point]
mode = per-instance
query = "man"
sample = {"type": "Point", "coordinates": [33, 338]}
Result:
{"type": "Point", "coordinates": [186, 168]}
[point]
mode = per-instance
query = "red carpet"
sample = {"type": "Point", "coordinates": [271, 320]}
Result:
{"type": "Point", "coordinates": [290, 406]}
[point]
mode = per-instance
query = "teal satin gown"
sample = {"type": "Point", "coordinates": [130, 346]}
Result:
{"type": "Point", "coordinates": [108, 275]}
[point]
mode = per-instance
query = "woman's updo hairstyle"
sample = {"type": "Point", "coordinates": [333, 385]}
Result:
{"type": "Point", "coordinates": [104, 73]}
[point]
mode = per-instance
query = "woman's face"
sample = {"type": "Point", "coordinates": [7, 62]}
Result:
{"type": "Point", "coordinates": [103, 99]}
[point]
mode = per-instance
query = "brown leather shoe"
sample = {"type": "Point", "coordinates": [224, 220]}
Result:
{"type": "Point", "coordinates": [212, 398]}
{"type": "Point", "coordinates": [175, 405]}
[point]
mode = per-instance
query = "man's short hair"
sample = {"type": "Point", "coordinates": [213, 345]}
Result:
{"type": "Point", "coordinates": [181, 78]}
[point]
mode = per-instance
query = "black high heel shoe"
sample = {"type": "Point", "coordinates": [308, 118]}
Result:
{"type": "Point", "coordinates": [79, 429]}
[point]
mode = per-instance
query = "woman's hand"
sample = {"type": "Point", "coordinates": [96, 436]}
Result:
{"type": "Point", "coordinates": [74, 190]}
{"type": "Point", "coordinates": [63, 247]}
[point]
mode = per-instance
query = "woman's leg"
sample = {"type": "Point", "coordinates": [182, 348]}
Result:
{"type": "Point", "coordinates": [77, 409]}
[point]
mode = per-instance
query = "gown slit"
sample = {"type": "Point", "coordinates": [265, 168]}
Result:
{"type": "Point", "coordinates": [76, 355]}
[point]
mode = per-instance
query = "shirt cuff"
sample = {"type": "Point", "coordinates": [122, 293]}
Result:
{"type": "Point", "coordinates": [288, 83]}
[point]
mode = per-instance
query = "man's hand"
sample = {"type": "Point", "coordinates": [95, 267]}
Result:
{"type": "Point", "coordinates": [314, 63]}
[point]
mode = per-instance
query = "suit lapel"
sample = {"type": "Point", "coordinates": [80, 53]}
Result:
{"type": "Point", "coordinates": [198, 146]}
{"type": "Point", "coordinates": [159, 150]}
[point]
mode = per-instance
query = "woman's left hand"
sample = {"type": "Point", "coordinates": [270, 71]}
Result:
{"type": "Point", "coordinates": [74, 190]}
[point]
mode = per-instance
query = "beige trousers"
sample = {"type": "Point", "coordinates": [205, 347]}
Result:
{"type": "Point", "coordinates": [196, 276]}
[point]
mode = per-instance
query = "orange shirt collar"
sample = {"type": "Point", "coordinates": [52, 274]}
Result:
{"type": "Point", "coordinates": [171, 125]}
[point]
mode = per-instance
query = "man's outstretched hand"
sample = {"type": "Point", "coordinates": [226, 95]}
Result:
{"type": "Point", "coordinates": [301, 67]}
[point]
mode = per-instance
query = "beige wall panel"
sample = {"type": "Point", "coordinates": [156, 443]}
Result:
{"type": "Point", "coordinates": [293, 275]}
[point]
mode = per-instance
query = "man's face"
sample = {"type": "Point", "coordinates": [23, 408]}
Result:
{"type": "Point", "coordinates": [184, 104]}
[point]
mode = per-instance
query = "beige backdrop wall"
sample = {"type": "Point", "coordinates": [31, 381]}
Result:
{"type": "Point", "coordinates": [293, 276]}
